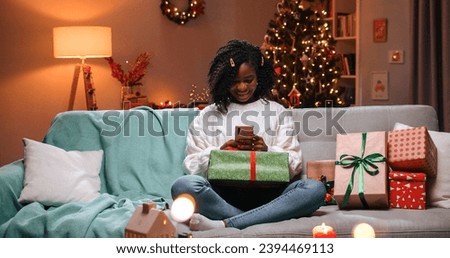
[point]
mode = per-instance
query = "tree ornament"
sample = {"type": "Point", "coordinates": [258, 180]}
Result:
{"type": "Point", "coordinates": [294, 97]}
{"type": "Point", "coordinates": [304, 59]}
{"type": "Point", "coordinates": [278, 71]}
{"type": "Point", "coordinates": [283, 7]}
{"type": "Point", "coordinates": [266, 45]}
{"type": "Point", "coordinates": [194, 9]}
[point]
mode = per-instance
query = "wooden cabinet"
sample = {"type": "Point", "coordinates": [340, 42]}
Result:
{"type": "Point", "coordinates": [344, 18]}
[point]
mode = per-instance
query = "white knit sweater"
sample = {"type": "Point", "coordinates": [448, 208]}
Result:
{"type": "Point", "coordinates": [211, 129]}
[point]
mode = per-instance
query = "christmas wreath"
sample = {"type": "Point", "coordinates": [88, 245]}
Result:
{"type": "Point", "coordinates": [194, 9]}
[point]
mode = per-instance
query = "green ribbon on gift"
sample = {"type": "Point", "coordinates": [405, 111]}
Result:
{"type": "Point", "coordinates": [361, 164]}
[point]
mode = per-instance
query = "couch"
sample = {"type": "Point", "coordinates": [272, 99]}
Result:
{"type": "Point", "coordinates": [142, 153]}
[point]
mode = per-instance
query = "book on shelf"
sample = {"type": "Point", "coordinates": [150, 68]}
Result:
{"type": "Point", "coordinates": [340, 63]}
{"type": "Point", "coordinates": [347, 63]}
{"type": "Point", "coordinates": [346, 25]}
{"type": "Point", "coordinates": [350, 60]}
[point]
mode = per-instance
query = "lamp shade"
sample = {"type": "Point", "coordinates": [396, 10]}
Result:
{"type": "Point", "coordinates": [82, 42]}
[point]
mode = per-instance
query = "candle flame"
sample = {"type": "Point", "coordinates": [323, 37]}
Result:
{"type": "Point", "coordinates": [363, 230]}
{"type": "Point", "coordinates": [324, 228]}
{"type": "Point", "coordinates": [182, 208]}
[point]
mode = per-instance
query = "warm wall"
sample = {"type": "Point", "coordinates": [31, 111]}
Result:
{"type": "Point", "coordinates": [34, 86]}
{"type": "Point", "coordinates": [374, 56]}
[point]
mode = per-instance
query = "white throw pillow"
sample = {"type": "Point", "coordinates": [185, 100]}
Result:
{"type": "Point", "coordinates": [438, 188]}
{"type": "Point", "coordinates": [54, 176]}
{"type": "Point", "coordinates": [400, 126]}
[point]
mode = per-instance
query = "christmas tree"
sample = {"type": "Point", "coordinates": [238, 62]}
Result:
{"type": "Point", "coordinates": [299, 42]}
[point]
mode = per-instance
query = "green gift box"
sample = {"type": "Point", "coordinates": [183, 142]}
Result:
{"type": "Point", "coordinates": [253, 167]}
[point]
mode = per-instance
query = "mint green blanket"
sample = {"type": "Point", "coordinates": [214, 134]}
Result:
{"type": "Point", "coordinates": [143, 155]}
{"type": "Point", "coordinates": [105, 216]}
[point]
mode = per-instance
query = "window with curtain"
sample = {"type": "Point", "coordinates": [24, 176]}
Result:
{"type": "Point", "coordinates": [431, 57]}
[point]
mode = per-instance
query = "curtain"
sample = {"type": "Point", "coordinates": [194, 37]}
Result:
{"type": "Point", "coordinates": [431, 57]}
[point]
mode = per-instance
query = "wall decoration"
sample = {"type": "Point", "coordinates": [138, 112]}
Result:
{"type": "Point", "coordinates": [195, 8]}
{"type": "Point", "coordinates": [380, 85]}
{"type": "Point", "coordinates": [380, 30]}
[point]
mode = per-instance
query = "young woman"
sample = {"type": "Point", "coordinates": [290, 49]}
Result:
{"type": "Point", "coordinates": [240, 81]}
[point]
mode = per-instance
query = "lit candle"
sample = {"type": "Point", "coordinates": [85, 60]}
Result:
{"type": "Point", "coordinates": [323, 231]}
{"type": "Point", "coordinates": [363, 230]}
{"type": "Point", "coordinates": [182, 208]}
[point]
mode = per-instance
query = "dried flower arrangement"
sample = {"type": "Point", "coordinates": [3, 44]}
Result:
{"type": "Point", "coordinates": [136, 72]}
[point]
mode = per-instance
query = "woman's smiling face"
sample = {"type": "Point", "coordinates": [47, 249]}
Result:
{"type": "Point", "coordinates": [244, 84]}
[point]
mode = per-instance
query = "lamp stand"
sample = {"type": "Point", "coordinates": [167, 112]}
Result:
{"type": "Point", "coordinates": [89, 90]}
{"type": "Point", "coordinates": [73, 91]}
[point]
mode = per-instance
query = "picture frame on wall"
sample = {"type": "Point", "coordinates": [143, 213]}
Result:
{"type": "Point", "coordinates": [380, 85]}
{"type": "Point", "coordinates": [380, 30]}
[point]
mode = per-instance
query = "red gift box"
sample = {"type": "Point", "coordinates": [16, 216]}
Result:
{"type": "Point", "coordinates": [412, 150]}
{"type": "Point", "coordinates": [407, 190]}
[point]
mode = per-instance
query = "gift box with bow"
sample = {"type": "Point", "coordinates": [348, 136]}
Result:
{"type": "Point", "coordinates": [361, 171]}
{"type": "Point", "coordinates": [251, 167]}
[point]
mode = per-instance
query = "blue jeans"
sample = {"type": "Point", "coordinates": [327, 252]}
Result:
{"type": "Point", "coordinates": [300, 198]}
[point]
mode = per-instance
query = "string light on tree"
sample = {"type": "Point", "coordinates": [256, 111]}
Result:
{"type": "Point", "coordinates": [300, 44]}
{"type": "Point", "coordinates": [203, 95]}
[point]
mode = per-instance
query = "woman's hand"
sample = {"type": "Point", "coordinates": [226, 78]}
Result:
{"type": "Point", "coordinates": [255, 143]}
{"type": "Point", "coordinates": [229, 145]}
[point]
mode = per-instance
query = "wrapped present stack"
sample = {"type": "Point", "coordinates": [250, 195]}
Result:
{"type": "Point", "coordinates": [361, 171]}
{"type": "Point", "coordinates": [412, 155]}
{"type": "Point", "coordinates": [323, 170]}
{"type": "Point", "coordinates": [362, 175]}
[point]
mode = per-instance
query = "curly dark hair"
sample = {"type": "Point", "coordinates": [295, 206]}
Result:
{"type": "Point", "coordinates": [223, 71]}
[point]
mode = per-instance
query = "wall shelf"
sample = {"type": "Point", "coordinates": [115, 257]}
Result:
{"type": "Point", "coordinates": [344, 19]}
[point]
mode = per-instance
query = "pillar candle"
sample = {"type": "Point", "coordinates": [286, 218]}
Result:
{"type": "Point", "coordinates": [323, 231]}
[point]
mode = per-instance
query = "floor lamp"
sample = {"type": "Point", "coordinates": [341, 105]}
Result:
{"type": "Point", "coordinates": [82, 42]}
